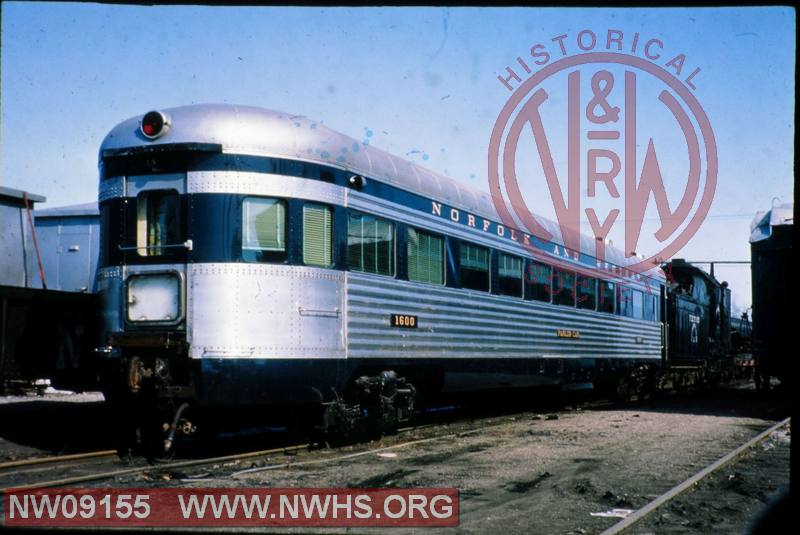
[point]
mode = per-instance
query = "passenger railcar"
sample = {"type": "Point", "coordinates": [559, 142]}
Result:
{"type": "Point", "coordinates": [250, 257]}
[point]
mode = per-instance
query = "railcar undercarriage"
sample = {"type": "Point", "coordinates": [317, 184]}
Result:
{"type": "Point", "coordinates": [371, 404]}
{"type": "Point", "coordinates": [157, 406]}
{"type": "Point", "coordinates": [154, 404]}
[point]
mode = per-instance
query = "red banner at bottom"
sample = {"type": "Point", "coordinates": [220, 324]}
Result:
{"type": "Point", "coordinates": [239, 507]}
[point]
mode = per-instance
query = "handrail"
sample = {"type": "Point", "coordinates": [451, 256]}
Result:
{"type": "Point", "coordinates": [186, 245]}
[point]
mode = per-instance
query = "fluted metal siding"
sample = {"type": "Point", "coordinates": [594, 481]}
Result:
{"type": "Point", "coordinates": [468, 324]}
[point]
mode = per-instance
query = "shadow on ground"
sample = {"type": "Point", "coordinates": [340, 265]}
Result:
{"type": "Point", "coordinates": [56, 426]}
{"type": "Point", "coordinates": [740, 400]}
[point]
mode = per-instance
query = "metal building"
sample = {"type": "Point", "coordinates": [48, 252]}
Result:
{"type": "Point", "coordinates": [17, 255]}
{"type": "Point", "coordinates": [69, 238]}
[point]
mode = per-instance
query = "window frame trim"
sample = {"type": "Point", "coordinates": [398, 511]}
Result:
{"type": "Point", "coordinates": [395, 226]}
{"type": "Point", "coordinates": [489, 265]}
{"type": "Point", "coordinates": [521, 295]}
{"type": "Point", "coordinates": [143, 224]}
{"type": "Point", "coordinates": [287, 235]}
{"type": "Point", "coordinates": [574, 287]}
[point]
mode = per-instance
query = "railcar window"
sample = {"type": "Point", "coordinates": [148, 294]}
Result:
{"type": "Point", "coordinates": [509, 275]}
{"type": "Point", "coordinates": [563, 287]}
{"type": "Point", "coordinates": [157, 222]}
{"type": "Point", "coordinates": [263, 230]}
{"type": "Point", "coordinates": [605, 302]}
{"type": "Point", "coordinates": [625, 301]}
{"type": "Point", "coordinates": [425, 257]}
{"type": "Point", "coordinates": [370, 244]}
{"type": "Point", "coordinates": [538, 277]}
{"type": "Point", "coordinates": [317, 235]}
{"type": "Point", "coordinates": [587, 292]}
{"type": "Point", "coordinates": [474, 263]}
{"type": "Point", "coordinates": [657, 304]}
{"type": "Point", "coordinates": [649, 306]}
{"type": "Point", "coordinates": [638, 304]}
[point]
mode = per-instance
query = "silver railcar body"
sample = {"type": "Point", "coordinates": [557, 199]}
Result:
{"type": "Point", "coordinates": [283, 332]}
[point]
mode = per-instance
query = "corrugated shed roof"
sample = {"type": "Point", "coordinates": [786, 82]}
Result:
{"type": "Point", "coordinates": [15, 195]}
{"type": "Point", "coordinates": [74, 210]}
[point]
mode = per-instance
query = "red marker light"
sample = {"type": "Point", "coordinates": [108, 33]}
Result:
{"type": "Point", "coordinates": [154, 124]}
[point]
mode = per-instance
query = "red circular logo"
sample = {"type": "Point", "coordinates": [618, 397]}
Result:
{"type": "Point", "coordinates": [610, 120]}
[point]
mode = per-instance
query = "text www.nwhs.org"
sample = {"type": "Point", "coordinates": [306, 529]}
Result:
{"type": "Point", "coordinates": [232, 507]}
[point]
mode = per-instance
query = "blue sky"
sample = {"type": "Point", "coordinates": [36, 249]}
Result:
{"type": "Point", "coordinates": [421, 81]}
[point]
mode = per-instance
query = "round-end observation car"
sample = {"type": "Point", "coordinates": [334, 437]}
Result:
{"type": "Point", "coordinates": [256, 258]}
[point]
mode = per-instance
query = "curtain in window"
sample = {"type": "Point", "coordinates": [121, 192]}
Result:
{"type": "Point", "coordinates": [510, 266]}
{"type": "Point", "coordinates": [317, 232]}
{"type": "Point", "coordinates": [425, 257]}
{"type": "Point", "coordinates": [473, 257]}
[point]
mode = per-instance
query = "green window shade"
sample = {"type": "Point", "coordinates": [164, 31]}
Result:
{"type": "Point", "coordinates": [317, 231]}
{"type": "Point", "coordinates": [425, 257]}
{"type": "Point", "coordinates": [370, 244]}
{"type": "Point", "coordinates": [510, 266]}
{"type": "Point", "coordinates": [473, 257]}
{"type": "Point", "coordinates": [264, 225]}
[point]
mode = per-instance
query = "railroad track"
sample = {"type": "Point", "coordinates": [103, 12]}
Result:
{"type": "Point", "coordinates": [31, 466]}
{"type": "Point", "coordinates": [39, 464]}
{"type": "Point", "coordinates": [240, 472]}
{"type": "Point", "coordinates": [72, 463]}
{"type": "Point", "coordinates": [42, 468]}
{"type": "Point", "coordinates": [628, 522]}
{"type": "Point", "coordinates": [99, 476]}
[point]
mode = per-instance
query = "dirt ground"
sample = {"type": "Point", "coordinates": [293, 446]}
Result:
{"type": "Point", "coordinates": [542, 470]}
{"type": "Point", "coordinates": [547, 473]}
{"type": "Point", "coordinates": [731, 498]}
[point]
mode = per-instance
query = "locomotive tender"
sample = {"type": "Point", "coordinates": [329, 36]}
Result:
{"type": "Point", "coordinates": [250, 257]}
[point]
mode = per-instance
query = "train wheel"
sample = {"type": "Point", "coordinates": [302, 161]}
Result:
{"type": "Point", "coordinates": [372, 406]}
{"type": "Point", "coordinates": [624, 391]}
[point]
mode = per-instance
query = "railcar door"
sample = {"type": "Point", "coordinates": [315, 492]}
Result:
{"type": "Point", "coordinates": [155, 251]}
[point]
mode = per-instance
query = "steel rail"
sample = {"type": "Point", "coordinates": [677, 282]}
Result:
{"type": "Point", "coordinates": [675, 491]}
{"type": "Point", "coordinates": [57, 459]}
{"type": "Point", "coordinates": [166, 466]}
